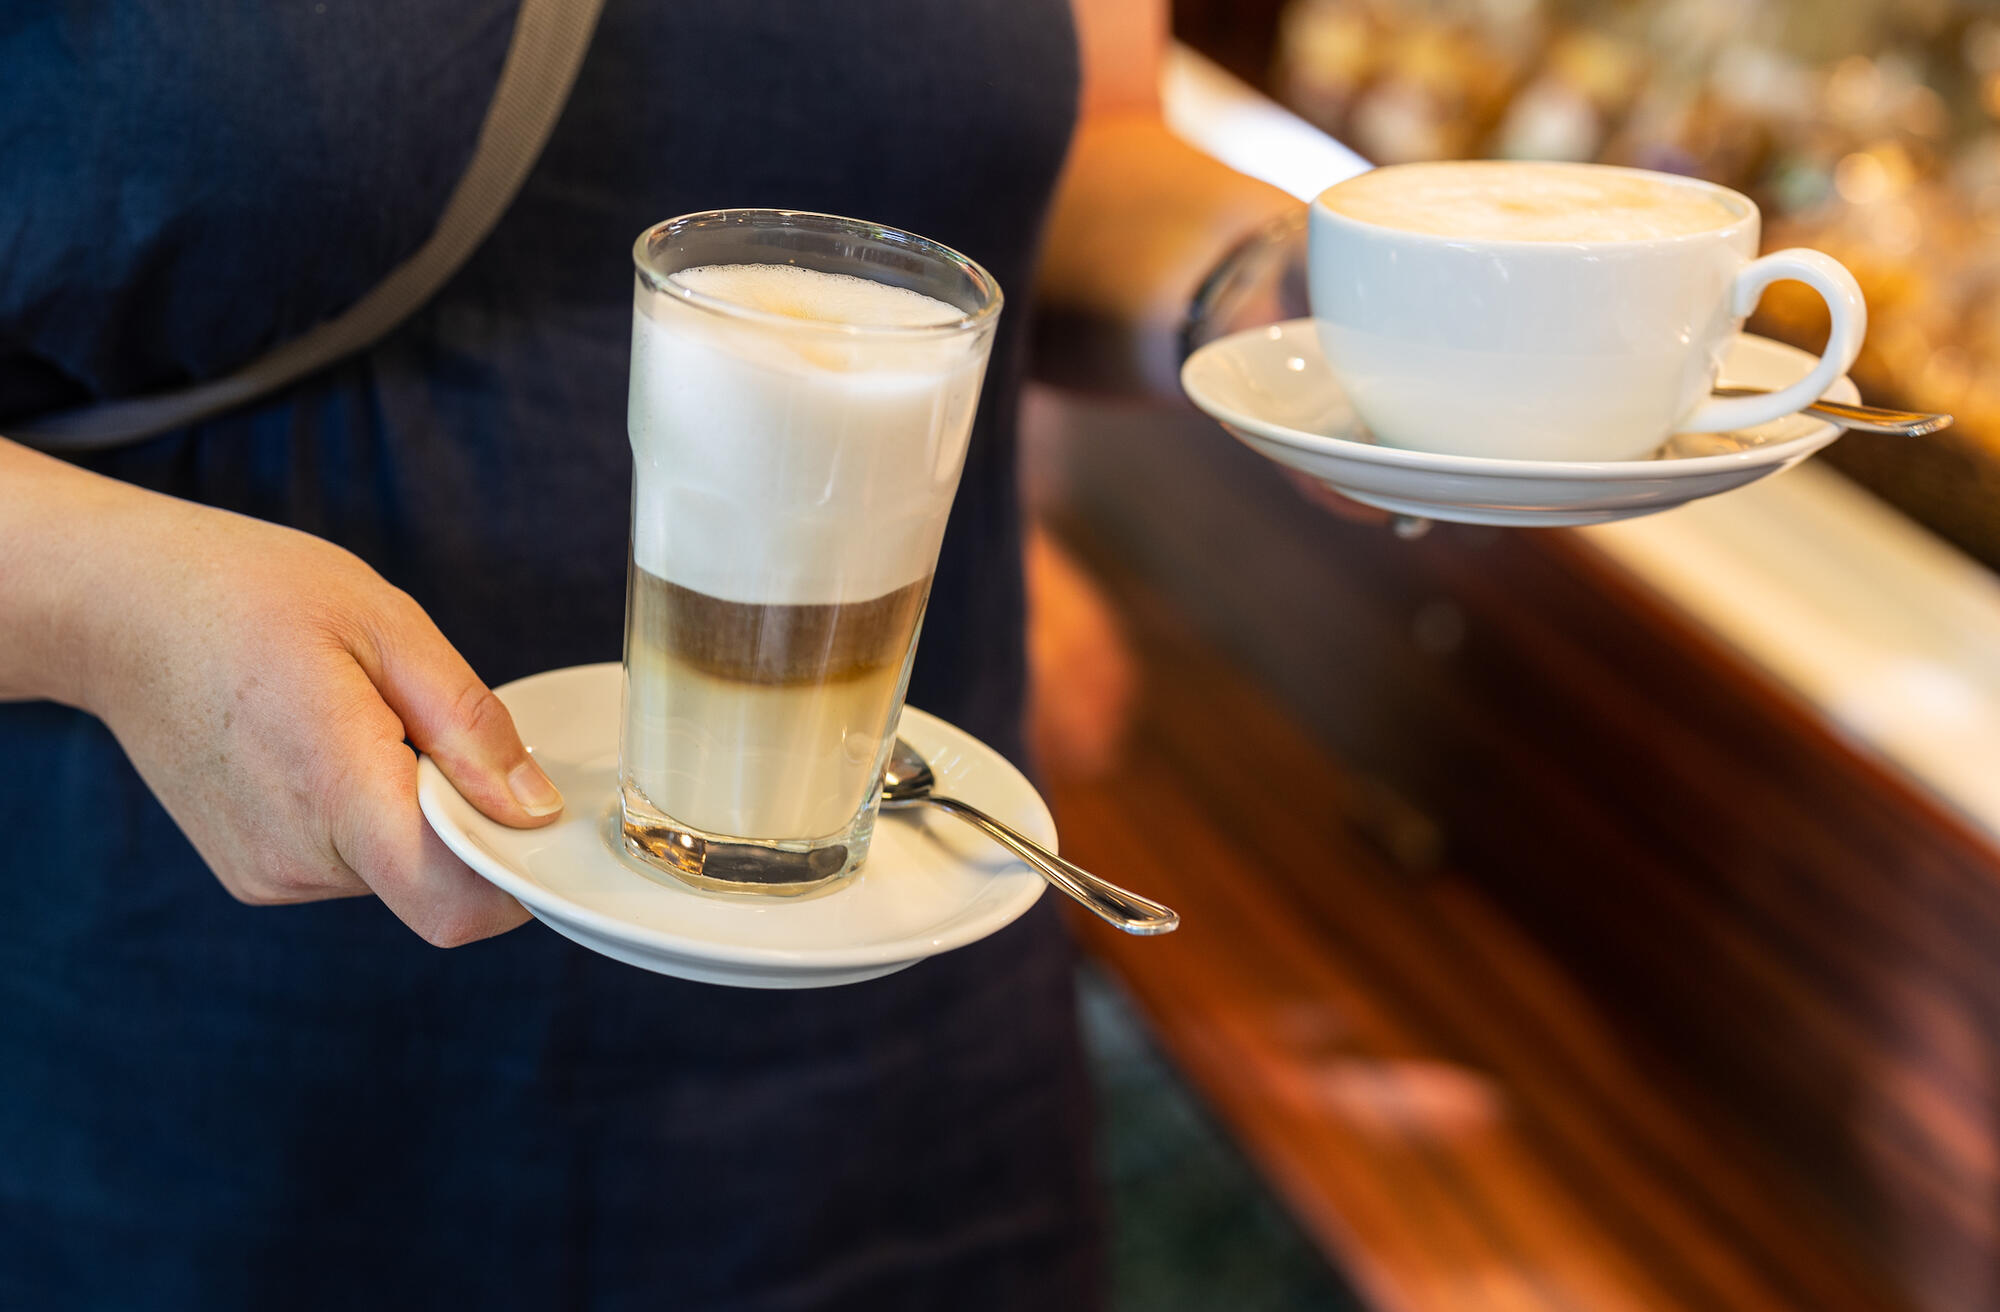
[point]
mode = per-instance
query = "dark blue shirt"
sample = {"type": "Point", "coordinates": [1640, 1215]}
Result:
{"type": "Point", "coordinates": [206, 1105]}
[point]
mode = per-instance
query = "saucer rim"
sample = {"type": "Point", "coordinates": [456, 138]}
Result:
{"type": "Point", "coordinates": [1326, 444]}
{"type": "Point", "coordinates": [435, 794]}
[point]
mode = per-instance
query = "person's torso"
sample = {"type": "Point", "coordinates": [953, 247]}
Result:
{"type": "Point", "coordinates": [192, 194]}
{"type": "Point", "coordinates": [241, 1101]}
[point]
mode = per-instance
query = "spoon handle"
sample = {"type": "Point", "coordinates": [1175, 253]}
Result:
{"type": "Point", "coordinates": [1864, 418]}
{"type": "Point", "coordinates": [1121, 907]}
{"type": "Point", "coordinates": [1873, 419]}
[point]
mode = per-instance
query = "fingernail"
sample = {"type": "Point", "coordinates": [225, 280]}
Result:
{"type": "Point", "coordinates": [532, 789]}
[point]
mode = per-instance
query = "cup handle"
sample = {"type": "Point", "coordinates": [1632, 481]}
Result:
{"type": "Point", "coordinates": [1844, 302]}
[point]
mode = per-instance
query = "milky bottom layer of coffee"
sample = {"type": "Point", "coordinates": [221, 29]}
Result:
{"type": "Point", "coordinates": [760, 722]}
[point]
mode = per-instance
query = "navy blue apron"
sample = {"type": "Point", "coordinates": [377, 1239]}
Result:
{"type": "Point", "coordinates": [206, 1105]}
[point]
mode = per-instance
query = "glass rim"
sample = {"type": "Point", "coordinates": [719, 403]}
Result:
{"type": "Point", "coordinates": [983, 282]}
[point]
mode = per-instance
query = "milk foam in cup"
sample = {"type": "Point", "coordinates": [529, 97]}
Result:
{"type": "Point", "coordinates": [797, 433]}
{"type": "Point", "coordinates": [1538, 311]}
{"type": "Point", "coordinates": [1506, 201]}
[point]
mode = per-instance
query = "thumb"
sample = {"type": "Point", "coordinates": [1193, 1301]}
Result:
{"type": "Point", "coordinates": [454, 718]}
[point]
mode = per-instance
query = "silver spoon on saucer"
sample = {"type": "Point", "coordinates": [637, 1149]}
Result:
{"type": "Point", "coordinates": [908, 781]}
{"type": "Point", "coordinates": [1862, 418]}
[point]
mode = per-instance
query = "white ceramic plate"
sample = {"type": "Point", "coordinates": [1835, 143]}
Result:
{"type": "Point", "coordinates": [930, 883]}
{"type": "Point", "coordinates": [1270, 388]}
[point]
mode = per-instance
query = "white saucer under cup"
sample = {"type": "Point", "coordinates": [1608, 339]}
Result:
{"type": "Point", "coordinates": [930, 883]}
{"type": "Point", "coordinates": [1271, 389]}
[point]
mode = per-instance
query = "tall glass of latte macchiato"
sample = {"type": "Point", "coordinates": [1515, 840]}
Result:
{"type": "Point", "coordinates": [803, 388]}
{"type": "Point", "coordinates": [1536, 311]}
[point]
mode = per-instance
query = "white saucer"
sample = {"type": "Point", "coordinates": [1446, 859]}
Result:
{"type": "Point", "coordinates": [931, 883]}
{"type": "Point", "coordinates": [1271, 389]}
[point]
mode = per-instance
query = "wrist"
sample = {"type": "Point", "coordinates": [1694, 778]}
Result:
{"type": "Point", "coordinates": [62, 598]}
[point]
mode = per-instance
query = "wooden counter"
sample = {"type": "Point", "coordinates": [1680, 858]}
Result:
{"type": "Point", "coordinates": [1542, 954]}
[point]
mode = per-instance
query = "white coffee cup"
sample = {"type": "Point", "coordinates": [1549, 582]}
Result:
{"type": "Point", "coordinates": [1551, 311]}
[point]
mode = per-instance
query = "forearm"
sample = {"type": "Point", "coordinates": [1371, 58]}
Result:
{"type": "Point", "coordinates": [56, 523]}
{"type": "Point", "coordinates": [1139, 218]}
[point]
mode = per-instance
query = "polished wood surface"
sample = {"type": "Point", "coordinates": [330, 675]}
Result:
{"type": "Point", "coordinates": [1543, 955]}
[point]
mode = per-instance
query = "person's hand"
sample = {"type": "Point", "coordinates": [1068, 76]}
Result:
{"type": "Point", "coordinates": [263, 681]}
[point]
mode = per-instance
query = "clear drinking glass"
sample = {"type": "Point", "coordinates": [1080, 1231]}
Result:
{"type": "Point", "coordinates": [796, 444]}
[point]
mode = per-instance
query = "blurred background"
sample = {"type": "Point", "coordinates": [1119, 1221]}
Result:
{"type": "Point", "coordinates": [1592, 919]}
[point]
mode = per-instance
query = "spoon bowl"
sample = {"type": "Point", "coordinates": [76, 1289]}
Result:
{"type": "Point", "coordinates": [907, 781]}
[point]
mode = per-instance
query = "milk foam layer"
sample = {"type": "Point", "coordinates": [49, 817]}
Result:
{"type": "Point", "coordinates": [1528, 202]}
{"type": "Point", "coordinates": [791, 465]}
{"type": "Point", "coordinates": [837, 298]}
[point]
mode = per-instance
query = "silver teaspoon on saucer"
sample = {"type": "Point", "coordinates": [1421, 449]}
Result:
{"type": "Point", "coordinates": [907, 781]}
{"type": "Point", "coordinates": [1862, 418]}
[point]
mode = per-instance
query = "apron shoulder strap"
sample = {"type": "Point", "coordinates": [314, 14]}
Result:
{"type": "Point", "coordinates": [550, 37]}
